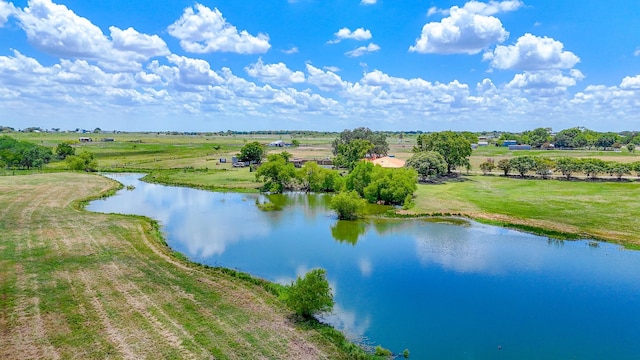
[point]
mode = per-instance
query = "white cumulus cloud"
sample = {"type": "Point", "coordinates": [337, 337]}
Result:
{"type": "Point", "coordinates": [277, 74]}
{"type": "Point", "coordinates": [368, 2]}
{"type": "Point", "coordinates": [359, 34]}
{"type": "Point", "coordinates": [363, 50]}
{"type": "Point", "coordinates": [325, 80]}
{"type": "Point", "coordinates": [204, 31]}
{"type": "Point", "coordinates": [131, 40]}
{"type": "Point", "coordinates": [57, 30]}
{"type": "Point", "coordinates": [194, 71]}
{"type": "Point", "coordinates": [631, 83]}
{"type": "Point", "coordinates": [6, 10]}
{"type": "Point", "coordinates": [465, 30]}
{"type": "Point", "coordinates": [545, 83]}
{"type": "Point", "coordinates": [531, 52]}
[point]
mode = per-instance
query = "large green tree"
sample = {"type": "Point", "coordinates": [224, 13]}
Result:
{"type": "Point", "coordinates": [378, 140]}
{"type": "Point", "coordinates": [351, 153]}
{"type": "Point", "coordinates": [391, 186]}
{"type": "Point", "coordinates": [311, 295]}
{"type": "Point", "coordinates": [454, 147]}
{"type": "Point", "coordinates": [64, 149]}
{"type": "Point", "coordinates": [567, 138]}
{"type": "Point", "coordinates": [315, 178]}
{"type": "Point", "coordinates": [252, 152]}
{"type": "Point", "coordinates": [537, 137]}
{"type": "Point", "coordinates": [428, 164]}
{"type": "Point", "coordinates": [277, 173]}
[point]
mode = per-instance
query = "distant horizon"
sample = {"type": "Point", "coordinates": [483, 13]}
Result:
{"type": "Point", "coordinates": [463, 65]}
{"type": "Point", "coordinates": [274, 131]}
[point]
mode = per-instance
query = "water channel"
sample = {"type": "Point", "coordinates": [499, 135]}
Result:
{"type": "Point", "coordinates": [442, 289]}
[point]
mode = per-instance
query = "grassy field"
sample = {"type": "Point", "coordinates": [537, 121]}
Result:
{"type": "Point", "coordinates": [193, 160]}
{"type": "Point", "coordinates": [604, 210]}
{"type": "Point", "coordinates": [75, 284]}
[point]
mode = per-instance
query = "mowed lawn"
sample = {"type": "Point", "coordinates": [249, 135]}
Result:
{"type": "Point", "coordinates": [75, 284]}
{"type": "Point", "coordinates": [604, 210]}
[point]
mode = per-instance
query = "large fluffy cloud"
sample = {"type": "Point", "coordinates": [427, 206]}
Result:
{"type": "Point", "coordinates": [466, 30]}
{"type": "Point", "coordinates": [204, 31]}
{"type": "Point", "coordinates": [531, 52]}
{"type": "Point", "coordinates": [277, 74]}
{"type": "Point", "coordinates": [59, 31]}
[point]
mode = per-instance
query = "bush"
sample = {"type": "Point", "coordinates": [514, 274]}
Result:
{"type": "Point", "coordinates": [311, 295]}
{"type": "Point", "coordinates": [83, 161]}
{"type": "Point", "coordinates": [349, 205]}
{"type": "Point", "coordinates": [380, 351]}
{"type": "Point", "coordinates": [487, 167]}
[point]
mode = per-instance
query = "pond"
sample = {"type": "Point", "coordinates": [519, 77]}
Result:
{"type": "Point", "coordinates": [442, 289]}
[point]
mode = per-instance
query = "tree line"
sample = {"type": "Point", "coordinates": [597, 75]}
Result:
{"type": "Point", "coordinates": [16, 154]}
{"type": "Point", "coordinates": [567, 166]}
{"type": "Point", "coordinates": [573, 138]}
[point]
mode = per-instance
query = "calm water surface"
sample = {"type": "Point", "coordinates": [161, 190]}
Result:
{"type": "Point", "coordinates": [444, 290]}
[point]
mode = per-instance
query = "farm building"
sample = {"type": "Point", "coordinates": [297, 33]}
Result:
{"type": "Point", "coordinates": [509, 142]}
{"type": "Point", "coordinates": [85, 139]}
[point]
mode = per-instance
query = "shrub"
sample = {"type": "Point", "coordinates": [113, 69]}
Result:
{"type": "Point", "coordinates": [83, 161]}
{"type": "Point", "coordinates": [311, 295]}
{"type": "Point", "coordinates": [380, 351]}
{"type": "Point", "coordinates": [349, 205]}
{"type": "Point", "coordinates": [487, 167]}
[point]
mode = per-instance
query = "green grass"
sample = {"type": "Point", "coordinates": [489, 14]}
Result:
{"type": "Point", "coordinates": [602, 210]}
{"type": "Point", "coordinates": [75, 284]}
{"type": "Point", "coordinates": [225, 178]}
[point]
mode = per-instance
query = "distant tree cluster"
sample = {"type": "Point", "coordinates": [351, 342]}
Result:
{"type": "Point", "coordinates": [567, 166]}
{"type": "Point", "coordinates": [454, 149]}
{"type": "Point", "coordinates": [351, 146]}
{"type": "Point", "coordinates": [278, 175]}
{"type": "Point", "coordinates": [23, 154]}
{"type": "Point", "coordinates": [573, 138]}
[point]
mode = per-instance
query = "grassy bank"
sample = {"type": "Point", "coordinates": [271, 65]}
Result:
{"type": "Point", "coordinates": [75, 284]}
{"type": "Point", "coordinates": [223, 178]}
{"type": "Point", "coordinates": [602, 210]}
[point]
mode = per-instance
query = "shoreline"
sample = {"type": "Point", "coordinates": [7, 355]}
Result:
{"type": "Point", "coordinates": [334, 336]}
{"type": "Point", "coordinates": [556, 231]}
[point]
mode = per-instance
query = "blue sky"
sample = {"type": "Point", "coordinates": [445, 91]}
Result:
{"type": "Point", "coordinates": [320, 65]}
